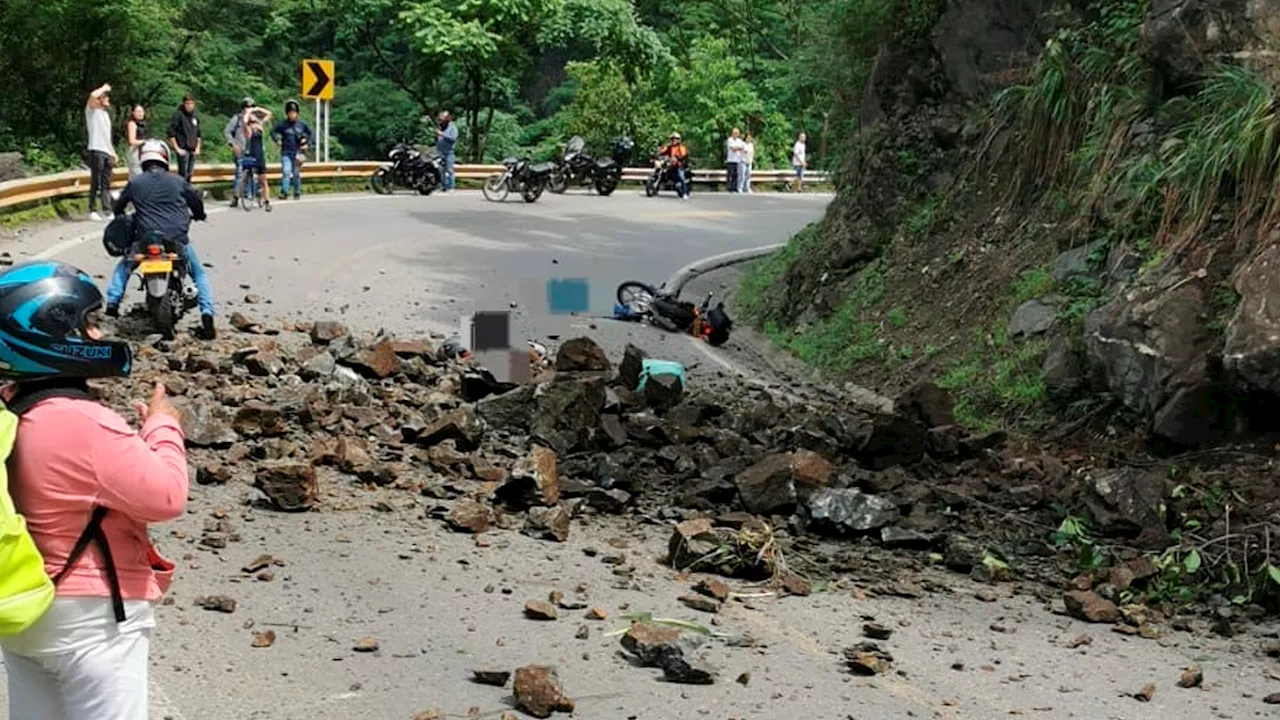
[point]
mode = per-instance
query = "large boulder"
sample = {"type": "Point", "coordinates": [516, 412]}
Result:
{"type": "Point", "coordinates": [566, 413]}
{"type": "Point", "coordinates": [1252, 350]}
{"type": "Point", "coordinates": [1150, 347]}
{"type": "Point", "coordinates": [1126, 503]}
{"type": "Point", "coordinates": [975, 40]}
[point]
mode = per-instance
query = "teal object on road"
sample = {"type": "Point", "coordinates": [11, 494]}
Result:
{"type": "Point", "coordinates": [660, 367]}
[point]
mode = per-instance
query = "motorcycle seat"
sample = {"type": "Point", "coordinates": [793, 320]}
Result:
{"type": "Point", "coordinates": [541, 168]}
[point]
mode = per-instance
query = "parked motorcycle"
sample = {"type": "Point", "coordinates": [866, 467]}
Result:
{"type": "Point", "coordinates": [166, 279]}
{"type": "Point", "coordinates": [519, 175]}
{"type": "Point", "coordinates": [409, 169]}
{"type": "Point", "coordinates": [663, 176]}
{"type": "Point", "coordinates": [641, 301]}
{"type": "Point", "coordinates": [576, 167]}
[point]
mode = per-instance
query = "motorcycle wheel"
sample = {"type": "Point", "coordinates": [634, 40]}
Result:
{"type": "Point", "coordinates": [496, 188]}
{"type": "Point", "coordinates": [634, 293]}
{"type": "Point", "coordinates": [162, 314]}
{"type": "Point", "coordinates": [607, 184]}
{"type": "Point", "coordinates": [559, 183]}
{"type": "Point", "coordinates": [650, 187]}
{"type": "Point", "coordinates": [533, 191]}
{"type": "Point", "coordinates": [380, 181]}
{"type": "Point", "coordinates": [426, 187]}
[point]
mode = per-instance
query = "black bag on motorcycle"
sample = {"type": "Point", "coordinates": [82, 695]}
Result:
{"type": "Point", "coordinates": [118, 236]}
{"type": "Point", "coordinates": [720, 323]}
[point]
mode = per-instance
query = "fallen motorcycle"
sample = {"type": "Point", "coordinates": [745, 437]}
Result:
{"type": "Point", "coordinates": [408, 169]}
{"type": "Point", "coordinates": [639, 301]}
{"type": "Point", "coordinates": [576, 167]}
{"type": "Point", "coordinates": [519, 175]}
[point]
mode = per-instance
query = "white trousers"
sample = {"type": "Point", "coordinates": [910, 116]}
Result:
{"type": "Point", "coordinates": [106, 681]}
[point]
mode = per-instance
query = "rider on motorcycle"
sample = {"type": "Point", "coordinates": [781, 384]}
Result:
{"type": "Point", "coordinates": [165, 204]}
{"type": "Point", "coordinates": [679, 154]}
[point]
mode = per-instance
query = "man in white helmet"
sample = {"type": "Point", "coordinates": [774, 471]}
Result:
{"type": "Point", "coordinates": [166, 204]}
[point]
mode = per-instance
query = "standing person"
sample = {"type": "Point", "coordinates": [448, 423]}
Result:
{"type": "Point", "coordinates": [254, 158]}
{"type": "Point", "coordinates": [446, 145]}
{"type": "Point", "coordinates": [446, 140]}
{"type": "Point", "coordinates": [748, 160]}
{"type": "Point", "coordinates": [184, 136]}
{"type": "Point", "coordinates": [135, 133]}
{"type": "Point", "coordinates": [102, 155]}
{"type": "Point", "coordinates": [799, 161]}
{"type": "Point", "coordinates": [733, 160]}
{"type": "Point", "coordinates": [87, 655]}
{"type": "Point", "coordinates": [293, 135]}
{"type": "Point", "coordinates": [233, 133]}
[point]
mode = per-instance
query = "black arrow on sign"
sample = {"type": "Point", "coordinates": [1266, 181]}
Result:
{"type": "Point", "coordinates": [322, 80]}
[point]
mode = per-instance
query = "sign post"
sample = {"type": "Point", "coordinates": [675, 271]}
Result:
{"type": "Point", "coordinates": [317, 84]}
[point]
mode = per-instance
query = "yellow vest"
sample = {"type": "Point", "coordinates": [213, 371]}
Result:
{"type": "Point", "coordinates": [26, 590]}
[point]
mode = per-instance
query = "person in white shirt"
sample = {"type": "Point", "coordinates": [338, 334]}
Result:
{"type": "Point", "coordinates": [748, 161]}
{"type": "Point", "coordinates": [733, 159]}
{"type": "Point", "coordinates": [101, 155]}
{"type": "Point", "coordinates": [799, 161]}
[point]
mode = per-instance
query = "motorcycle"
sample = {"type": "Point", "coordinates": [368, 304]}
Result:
{"type": "Point", "coordinates": [641, 301]}
{"type": "Point", "coordinates": [409, 169]}
{"type": "Point", "coordinates": [166, 279]}
{"type": "Point", "coordinates": [519, 175]}
{"type": "Point", "coordinates": [663, 176]}
{"type": "Point", "coordinates": [578, 168]}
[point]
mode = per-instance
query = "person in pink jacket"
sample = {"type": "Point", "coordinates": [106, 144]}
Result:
{"type": "Point", "coordinates": [88, 485]}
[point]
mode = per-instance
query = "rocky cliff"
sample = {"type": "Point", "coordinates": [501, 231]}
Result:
{"type": "Point", "coordinates": [1059, 212]}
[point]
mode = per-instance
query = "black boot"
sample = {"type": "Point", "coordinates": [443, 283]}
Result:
{"type": "Point", "coordinates": [206, 328]}
{"type": "Point", "coordinates": [113, 311]}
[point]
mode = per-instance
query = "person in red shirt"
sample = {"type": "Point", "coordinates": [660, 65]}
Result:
{"type": "Point", "coordinates": [88, 486]}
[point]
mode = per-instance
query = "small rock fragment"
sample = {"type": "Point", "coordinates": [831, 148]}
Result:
{"type": "Point", "coordinates": [1191, 677]}
{"type": "Point", "coordinates": [1091, 607]}
{"type": "Point", "coordinates": [496, 678]}
{"type": "Point", "coordinates": [1147, 692]}
{"type": "Point", "coordinates": [220, 603]}
{"type": "Point", "coordinates": [876, 631]}
{"type": "Point", "coordinates": [264, 639]}
{"type": "Point", "coordinates": [538, 691]}
{"type": "Point", "coordinates": [596, 613]}
{"type": "Point", "coordinates": [701, 602]}
{"type": "Point", "coordinates": [712, 588]}
{"type": "Point", "coordinates": [540, 610]}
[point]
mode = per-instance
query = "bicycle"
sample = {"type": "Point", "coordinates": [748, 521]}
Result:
{"type": "Point", "coordinates": [248, 171]}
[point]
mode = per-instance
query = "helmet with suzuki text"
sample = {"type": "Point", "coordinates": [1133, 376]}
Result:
{"type": "Point", "coordinates": [45, 309]}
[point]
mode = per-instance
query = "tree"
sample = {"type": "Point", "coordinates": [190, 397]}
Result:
{"type": "Point", "coordinates": [482, 38]}
{"type": "Point", "coordinates": [605, 105]}
{"type": "Point", "coordinates": [710, 96]}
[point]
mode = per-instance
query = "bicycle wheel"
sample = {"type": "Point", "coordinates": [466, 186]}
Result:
{"type": "Point", "coordinates": [636, 294]}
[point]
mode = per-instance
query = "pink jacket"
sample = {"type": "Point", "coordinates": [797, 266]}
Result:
{"type": "Point", "coordinates": [71, 454]}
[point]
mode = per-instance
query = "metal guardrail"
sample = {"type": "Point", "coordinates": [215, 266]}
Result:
{"type": "Point", "coordinates": [76, 182]}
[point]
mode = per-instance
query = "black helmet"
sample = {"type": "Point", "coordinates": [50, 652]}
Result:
{"type": "Point", "coordinates": [291, 105]}
{"type": "Point", "coordinates": [43, 306]}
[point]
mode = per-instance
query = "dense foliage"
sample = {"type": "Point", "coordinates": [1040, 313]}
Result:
{"type": "Point", "coordinates": [520, 75]}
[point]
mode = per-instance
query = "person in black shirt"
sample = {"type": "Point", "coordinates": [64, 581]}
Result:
{"type": "Point", "coordinates": [184, 136]}
{"type": "Point", "coordinates": [165, 204]}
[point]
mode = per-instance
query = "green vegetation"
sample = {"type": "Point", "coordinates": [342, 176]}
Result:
{"type": "Point", "coordinates": [520, 75]}
{"type": "Point", "coordinates": [837, 343]}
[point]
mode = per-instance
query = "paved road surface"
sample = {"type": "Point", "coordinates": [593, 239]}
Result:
{"type": "Point", "coordinates": [438, 604]}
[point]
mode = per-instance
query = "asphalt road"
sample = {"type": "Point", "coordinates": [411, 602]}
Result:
{"type": "Point", "coordinates": [440, 605]}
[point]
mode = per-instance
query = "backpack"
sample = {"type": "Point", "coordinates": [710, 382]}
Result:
{"type": "Point", "coordinates": [26, 590]}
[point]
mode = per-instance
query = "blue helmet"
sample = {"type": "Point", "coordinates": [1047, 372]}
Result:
{"type": "Point", "coordinates": [43, 307]}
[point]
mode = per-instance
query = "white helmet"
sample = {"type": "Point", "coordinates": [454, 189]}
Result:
{"type": "Point", "coordinates": [154, 151]}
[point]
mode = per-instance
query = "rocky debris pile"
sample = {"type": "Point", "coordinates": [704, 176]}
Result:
{"type": "Point", "coordinates": [302, 412]}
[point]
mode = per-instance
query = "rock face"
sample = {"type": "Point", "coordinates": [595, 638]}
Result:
{"type": "Point", "coordinates": [11, 166]}
{"type": "Point", "coordinates": [1033, 317]}
{"type": "Point", "coordinates": [1152, 351]}
{"type": "Point", "coordinates": [929, 404]}
{"type": "Point", "coordinates": [1252, 350]}
{"type": "Point", "coordinates": [970, 38]}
